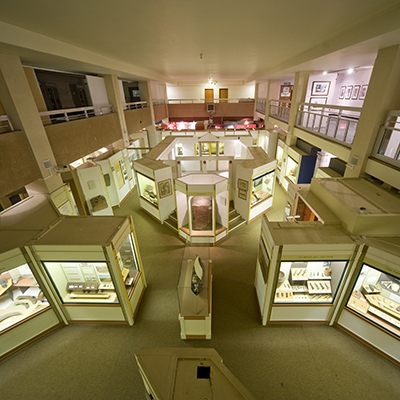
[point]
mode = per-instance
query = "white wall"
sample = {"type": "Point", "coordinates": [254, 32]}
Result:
{"type": "Point", "coordinates": [322, 78]}
{"type": "Point", "coordinates": [158, 91]}
{"type": "Point", "coordinates": [97, 89]}
{"type": "Point", "coordinates": [263, 89]}
{"type": "Point", "coordinates": [197, 91]}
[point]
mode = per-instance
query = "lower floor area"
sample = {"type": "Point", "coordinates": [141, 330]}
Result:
{"type": "Point", "coordinates": [300, 361]}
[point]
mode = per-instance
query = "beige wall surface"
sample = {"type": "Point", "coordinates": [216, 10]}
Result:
{"type": "Point", "coordinates": [17, 166]}
{"type": "Point", "coordinates": [137, 119]}
{"type": "Point", "coordinates": [76, 139]}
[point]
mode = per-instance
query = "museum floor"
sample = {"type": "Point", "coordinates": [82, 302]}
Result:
{"type": "Point", "coordinates": [93, 361]}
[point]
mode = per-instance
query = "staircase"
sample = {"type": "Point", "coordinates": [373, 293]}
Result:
{"type": "Point", "coordinates": [172, 222]}
{"type": "Point", "coordinates": [235, 220]}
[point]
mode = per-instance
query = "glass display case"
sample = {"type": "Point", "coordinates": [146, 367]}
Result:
{"type": "Point", "coordinates": [20, 296]}
{"type": "Point", "coordinates": [82, 282]}
{"type": "Point", "coordinates": [262, 188]}
{"type": "Point", "coordinates": [147, 188]}
{"type": "Point", "coordinates": [279, 156]}
{"type": "Point", "coordinates": [308, 281]}
{"type": "Point", "coordinates": [129, 264]}
{"type": "Point", "coordinates": [194, 293]}
{"type": "Point", "coordinates": [291, 169]}
{"type": "Point", "coordinates": [376, 297]}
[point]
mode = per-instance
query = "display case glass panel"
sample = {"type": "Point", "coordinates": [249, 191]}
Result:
{"type": "Point", "coordinates": [179, 149]}
{"type": "Point", "coordinates": [205, 149]}
{"type": "Point", "coordinates": [20, 296]}
{"type": "Point", "coordinates": [376, 296]}
{"type": "Point", "coordinates": [201, 207]}
{"type": "Point", "coordinates": [197, 149]}
{"type": "Point", "coordinates": [262, 187]}
{"type": "Point", "coordinates": [292, 169]}
{"type": "Point", "coordinates": [147, 189]}
{"type": "Point", "coordinates": [213, 148]}
{"type": "Point", "coordinates": [263, 259]}
{"type": "Point", "coordinates": [279, 156]}
{"type": "Point", "coordinates": [309, 281]}
{"type": "Point", "coordinates": [129, 264]}
{"type": "Point", "coordinates": [82, 282]}
{"type": "Point", "coordinates": [221, 149]}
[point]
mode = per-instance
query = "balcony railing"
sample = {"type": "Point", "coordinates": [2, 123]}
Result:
{"type": "Point", "coordinates": [280, 109]}
{"type": "Point", "coordinates": [337, 123]}
{"type": "Point", "coordinates": [197, 101]}
{"type": "Point", "coordinates": [136, 105]}
{"type": "Point", "coordinates": [5, 124]}
{"type": "Point", "coordinates": [261, 105]}
{"type": "Point", "coordinates": [73, 114]}
{"type": "Point", "coordinates": [387, 145]}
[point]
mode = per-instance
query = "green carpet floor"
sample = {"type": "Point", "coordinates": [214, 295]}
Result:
{"type": "Point", "coordinates": [94, 361]}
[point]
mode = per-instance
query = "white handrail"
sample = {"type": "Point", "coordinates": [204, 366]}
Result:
{"type": "Point", "coordinates": [135, 105]}
{"type": "Point", "coordinates": [71, 114]}
{"type": "Point", "coordinates": [215, 100]}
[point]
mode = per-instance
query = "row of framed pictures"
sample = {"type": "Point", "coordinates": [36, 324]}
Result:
{"type": "Point", "coordinates": [356, 92]}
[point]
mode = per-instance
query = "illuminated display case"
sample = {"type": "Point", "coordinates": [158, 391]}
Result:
{"type": "Point", "coordinates": [147, 188]}
{"type": "Point", "coordinates": [292, 169]}
{"type": "Point", "coordinates": [376, 297]}
{"type": "Point", "coordinates": [94, 266]}
{"type": "Point", "coordinates": [308, 281]}
{"type": "Point", "coordinates": [195, 293]}
{"type": "Point", "coordinates": [20, 296]}
{"type": "Point", "coordinates": [262, 188]}
{"type": "Point", "coordinates": [280, 155]}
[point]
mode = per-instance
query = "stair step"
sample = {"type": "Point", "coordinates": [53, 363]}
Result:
{"type": "Point", "coordinates": [235, 218]}
{"type": "Point", "coordinates": [236, 224]}
{"type": "Point", "coordinates": [171, 224]}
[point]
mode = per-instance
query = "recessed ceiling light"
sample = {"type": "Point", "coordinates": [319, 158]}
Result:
{"type": "Point", "coordinates": [350, 70]}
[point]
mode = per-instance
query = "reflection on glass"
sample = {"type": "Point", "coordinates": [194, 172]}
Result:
{"type": "Point", "coordinates": [376, 296]}
{"type": "Point", "coordinates": [213, 147]}
{"type": "Point", "coordinates": [309, 281]}
{"type": "Point", "coordinates": [221, 150]}
{"type": "Point", "coordinates": [291, 169]}
{"type": "Point", "coordinates": [82, 282]}
{"type": "Point", "coordinates": [20, 296]}
{"type": "Point", "coordinates": [262, 188]}
{"type": "Point", "coordinates": [179, 149]}
{"type": "Point", "coordinates": [205, 149]}
{"type": "Point", "coordinates": [147, 188]}
{"type": "Point", "coordinates": [128, 263]}
{"type": "Point", "coordinates": [196, 149]}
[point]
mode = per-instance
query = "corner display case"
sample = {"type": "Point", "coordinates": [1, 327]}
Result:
{"type": "Point", "coordinates": [202, 202]}
{"type": "Point", "coordinates": [195, 293]}
{"type": "Point", "coordinates": [155, 187]}
{"type": "Point", "coordinates": [94, 267]}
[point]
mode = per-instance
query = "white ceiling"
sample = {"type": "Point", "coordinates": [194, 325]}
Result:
{"type": "Point", "coordinates": [181, 40]}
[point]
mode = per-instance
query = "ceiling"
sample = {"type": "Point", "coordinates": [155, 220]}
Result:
{"type": "Point", "coordinates": [192, 40]}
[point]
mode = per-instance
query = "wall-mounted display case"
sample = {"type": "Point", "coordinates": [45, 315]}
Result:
{"type": "Point", "coordinates": [202, 202]}
{"type": "Point", "coordinates": [262, 187]}
{"type": "Point", "coordinates": [155, 187]}
{"type": "Point", "coordinates": [94, 267]}
{"type": "Point", "coordinates": [195, 293]}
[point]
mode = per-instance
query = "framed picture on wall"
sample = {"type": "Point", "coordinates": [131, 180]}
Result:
{"type": "Point", "coordinates": [363, 92]}
{"type": "Point", "coordinates": [342, 91]}
{"type": "Point", "coordinates": [242, 184]}
{"type": "Point", "coordinates": [349, 91]}
{"type": "Point", "coordinates": [320, 88]}
{"type": "Point", "coordinates": [356, 92]}
{"type": "Point", "coordinates": [242, 194]}
{"type": "Point", "coordinates": [165, 188]}
{"type": "Point", "coordinates": [317, 100]}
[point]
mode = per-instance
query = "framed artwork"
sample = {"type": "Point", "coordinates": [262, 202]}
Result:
{"type": "Point", "coordinates": [342, 91]}
{"type": "Point", "coordinates": [363, 92]}
{"type": "Point", "coordinates": [242, 194]}
{"type": "Point", "coordinates": [317, 100]}
{"type": "Point", "coordinates": [356, 92]}
{"type": "Point", "coordinates": [242, 184]}
{"type": "Point", "coordinates": [320, 88]}
{"type": "Point", "coordinates": [165, 188]}
{"type": "Point", "coordinates": [349, 91]}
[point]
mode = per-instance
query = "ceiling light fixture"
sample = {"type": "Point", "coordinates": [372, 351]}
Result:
{"type": "Point", "coordinates": [350, 70]}
{"type": "Point", "coordinates": [325, 73]}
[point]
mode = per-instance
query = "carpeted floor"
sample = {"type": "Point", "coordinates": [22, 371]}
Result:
{"type": "Point", "coordinates": [96, 361]}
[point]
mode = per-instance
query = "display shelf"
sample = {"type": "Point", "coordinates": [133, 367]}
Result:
{"type": "Point", "coordinates": [283, 296]}
{"type": "Point", "coordinates": [319, 287]}
{"type": "Point", "coordinates": [386, 305]}
{"type": "Point", "coordinates": [370, 289]}
{"type": "Point", "coordinates": [77, 297]}
{"type": "Point", "coordinates": [384, 316]}
{"type": "Point", "coordinates": [299, 274]}
{"type": "Point", "coordinates": [318, 275]}
{"type": "Point", "coordinates": [358, 302]}
{"type": "Point", "coordinates": [300, 288]}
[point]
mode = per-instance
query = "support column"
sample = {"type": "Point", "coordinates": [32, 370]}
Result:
{"type": "Point", "coordinates": [298, 96]}
{"type": "Point", "coordinates": [20, 106]}
{"type": "Point", "coordinates": [382, 96]}
{"type": "Point", "coordinates": [115, 99]}
{"type": "Point", "coordinates": [145, 95]}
